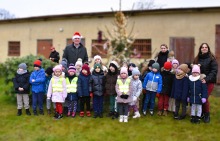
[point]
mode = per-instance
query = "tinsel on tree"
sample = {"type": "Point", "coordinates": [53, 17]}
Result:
{"type": "Point", "coordinates": [120, 42]}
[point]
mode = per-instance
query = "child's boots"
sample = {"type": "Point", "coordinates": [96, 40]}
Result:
{"type": "Point", "coordinates": [81, 114]}
{"type": "Point", "coordinates": [125, 118]}
{"type": "Point", "coordinates": [19, 113]}
{"type": "Point", "coordinates": [28, 112]}
{"type": "Point", "coordinates": [121, 118]}
{"type": "Point", "coordinates": [88, 114]}
{"type": "Point", "coordinates": [136, 115]}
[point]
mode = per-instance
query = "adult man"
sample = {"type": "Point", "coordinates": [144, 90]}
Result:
{"type": "Point", "coordinates": [54, 55]}
{"type": "Point", "coordinates": [75, 50]}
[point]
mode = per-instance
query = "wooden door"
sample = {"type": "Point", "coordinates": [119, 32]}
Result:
{"type": "Point", "coordinates": [43, 47]}
{"type": "Point", "coordinates": [183, 48]}
{"type": "Point", "coordinates": [217, 50]}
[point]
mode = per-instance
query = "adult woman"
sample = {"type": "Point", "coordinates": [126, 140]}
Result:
{"type": "Point", "coordinates": [209, 67]}
{"type": "Point", "coordinates": [162, 56]}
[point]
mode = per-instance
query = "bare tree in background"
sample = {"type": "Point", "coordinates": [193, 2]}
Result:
{"type": "Point", "coordinates": [4, 14]}
{"type": "Point", "coordinates": [145, 4]}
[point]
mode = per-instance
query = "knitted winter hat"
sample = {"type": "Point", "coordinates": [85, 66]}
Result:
{"type": "Point", "coordinates": [156, 66]}
{"type": "Point", "coordinates": [135, 71]}
{"type": "Point", "coordinates": [37, 63]}
{"type": "Point", "coordinates": [167, 65]}
{"type": "Point", "coordinates": [150, 63]}
{"type": "Point", "coordinates": [76, 35]}
{"type": "Point", "coordinates": [86, 67]}
{"type": "Point", "coordinates": [124, 70]}
{"type": "Point", "coordinates": [71, 68]}
{"type": "Point", "coordinates": [132, 64]}
{"type": "Point", "coordinates": [64, 63]}
{"type": "Point", "coordinates": [183, 67]}
{"type": "Point", "coordinates": [114, 64]}
{"type": "Point", "coordinates": [97, 66]}
{"type": "Point", "coordinates": [97, 57]}
{"type": "Point", "coordinates": [22, 66]}
{"type": "Point", "coordinates": [175, 62]}
{"type": "Point", "coordinates": [49, 71]}
{"type": "Point", "coordinates": [79, 62]}
{"type": "Point", "coordinates": [196, 68]}
{"type": "Point", "coordinates": [57, 67]}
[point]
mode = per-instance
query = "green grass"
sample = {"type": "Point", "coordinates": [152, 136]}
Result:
{"type": "Point", "coordinates": [151, 128]}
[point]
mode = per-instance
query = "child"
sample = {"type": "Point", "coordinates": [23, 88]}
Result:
{"type": "Point", "coordinates": [83, 90]}
{"type": "Point", "coordinates": [123, 89]}
{"type": "Point", "coordinates": [131, 66]}
{"type": "Point", "coordinates": [98, 60]}
{"type": "Point", "coordinates": [180, 91]}
{"type": "Point", "coordinates": [96, 87]}
{"type": "Point", "coordinates": [198, 93]}
{"type": "Point", "coordinates": [71, 83]}
{"type": "Point", "coordinates": [172, 105]}
{"type": "Point", "coordinates": [57, 90]}
{"type": "Point", "coordinates": [163, 99]}
{"type": "Point", "coordinates": [48, 73]}
{"type": "Point", "coordinates": [110, 82]}
{"type": "Point", "coordinates": [144, 73]}
{"type": "Point", "coordinates": [136, 90]}
{"type": "Point", "coordinates": [37, 80]}
{"type": "Point", "coordinates": [78, 66]}
{"type": "Point", "coordinates": [152, 84]}
{"type": "Point", "coordinates": [22, 88]}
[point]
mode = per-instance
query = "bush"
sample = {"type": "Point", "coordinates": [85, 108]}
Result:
{"type": "Point", "coordinates": [9, 68]}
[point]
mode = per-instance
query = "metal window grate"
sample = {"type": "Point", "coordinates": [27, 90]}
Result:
{"type": "Point", "coordinates": [13, 48]}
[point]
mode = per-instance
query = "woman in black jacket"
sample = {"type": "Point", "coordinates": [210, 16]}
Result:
{"type": "Point", "coordinates": [209, 67]}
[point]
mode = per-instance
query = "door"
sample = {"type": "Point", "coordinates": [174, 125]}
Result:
{"type": "Point", "coordinates": [183, 48]}
{"type": "Point", "coordinates": [43, 47]}
{"type": "Point", "coordinates": [217, 50]}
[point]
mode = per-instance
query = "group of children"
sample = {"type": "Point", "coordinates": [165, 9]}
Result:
{"type": "Point", "coordinates": [75, 86]}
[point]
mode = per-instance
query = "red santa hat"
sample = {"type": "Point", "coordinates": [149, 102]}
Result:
{"type": "Point", "coordinates": [76, 35]}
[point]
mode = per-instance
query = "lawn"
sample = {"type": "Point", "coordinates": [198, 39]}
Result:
{"type": "Point", "coordinates": [150, 128]}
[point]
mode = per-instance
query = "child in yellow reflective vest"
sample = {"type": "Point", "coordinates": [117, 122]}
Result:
{"type": "Point", "coordinates": [71, 84]}
{"type": "Point", "coordinates": [57, 90]}
{"type": "Point", "coordinates": [123, 90]}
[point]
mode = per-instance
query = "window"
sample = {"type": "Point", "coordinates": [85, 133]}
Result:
{"type": "Point", "coordinates": [141, 48]}
{"type": "Point", "coordinates": [98, 48]}
{"type": "Point", "coordinates": [13, 48]}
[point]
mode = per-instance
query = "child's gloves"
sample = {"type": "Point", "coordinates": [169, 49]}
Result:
{"type": "Point", "coordinates": [157, 95]}
{"type": "Point", "coordinates": [124, 96]}
{"type": "Point", "coordinates": [188, 99]}
{"type": "Point", "coordinates": [203, 100]}
{"type": "Point", "coordinates": [134, 98]}
{"type": "Point", "coordinates": [91, 94]}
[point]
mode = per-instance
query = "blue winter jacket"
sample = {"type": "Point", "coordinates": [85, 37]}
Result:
{"type": "Point", "coordinates": [153, 82]}
{"type": "Point", "coordinates": [83, 85]}
{"type": "Point", "coordinates": [39, 84]}
{"type": "Point", "coordinates": [197, 91]}
{"type": "Point", "coordinates": [180, 89]}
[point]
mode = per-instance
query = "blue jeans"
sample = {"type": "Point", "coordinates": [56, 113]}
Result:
{"type": "Point", "coordinates": [150, 98]}
{"type": "Point", "coordinates": [98, 104]}
{"type": "Point", "coordinates": [37, 99]}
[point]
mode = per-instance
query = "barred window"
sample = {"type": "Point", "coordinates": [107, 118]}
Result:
{"type": "Point", "coordinates": [14, 48]}
{"type": "Point", "coordinates": [141, 48]}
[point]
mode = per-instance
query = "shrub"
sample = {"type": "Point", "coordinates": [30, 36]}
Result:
{"type": "Point", "coordinates": [9, 68]}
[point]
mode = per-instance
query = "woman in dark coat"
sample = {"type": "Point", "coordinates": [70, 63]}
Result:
{"type": "Point", "coordinates": [209, 67]}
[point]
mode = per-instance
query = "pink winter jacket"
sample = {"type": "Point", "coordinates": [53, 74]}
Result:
{"type": "Point", "coordinates": [119, 99]}
{"type": "Point", "coordinates": [57, 96]}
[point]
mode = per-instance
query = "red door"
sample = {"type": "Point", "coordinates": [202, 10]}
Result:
{"type": "Point", "coordinates": [43, 47]}
{"type": "Point", "coordinates": [183, 49]}
{"type": "Point", "coordinates": [217, 50]}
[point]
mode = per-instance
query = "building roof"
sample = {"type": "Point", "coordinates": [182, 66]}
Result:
{"type": "Point", "coordinates": [110, 14]}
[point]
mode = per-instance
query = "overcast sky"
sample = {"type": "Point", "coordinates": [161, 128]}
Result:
{"type": "Point", "coordinates": [29, 8]}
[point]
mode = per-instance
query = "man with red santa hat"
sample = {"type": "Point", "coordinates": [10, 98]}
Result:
{"type": "Point", "coordinates": [75, 50]}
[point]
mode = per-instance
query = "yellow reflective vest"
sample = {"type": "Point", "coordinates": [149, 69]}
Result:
{"type": "Point", "coordinates": [124, 87]}
{"type": "Point", "coordinates": [71, 86]}
{"type": "Point", "coordinates": [57, 87]}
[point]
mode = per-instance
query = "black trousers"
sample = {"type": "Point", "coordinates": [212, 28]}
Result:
{"type": "Point", "coordinates": [84, 100]}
